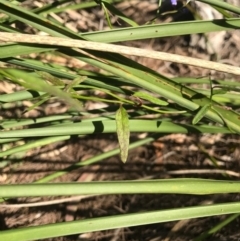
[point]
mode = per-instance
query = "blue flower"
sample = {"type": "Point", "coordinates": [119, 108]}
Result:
{"type": "Point", "coordinates": [174, 2]}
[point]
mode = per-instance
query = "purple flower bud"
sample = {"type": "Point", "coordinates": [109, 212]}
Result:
{"type": "Point", "coordinates": [174, 2]}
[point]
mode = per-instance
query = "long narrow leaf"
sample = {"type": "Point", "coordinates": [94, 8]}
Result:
{"type": "Point", "coordinates": [109, 126]}
{"type": "Point", "coordinates": [119, 221]}
{"type": "Point", "coordinates": [200, 114]}
{"type": "Point", "coordinates": [192, 186]}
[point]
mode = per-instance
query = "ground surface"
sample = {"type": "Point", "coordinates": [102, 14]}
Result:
{"type": "Point", "coordinates": [174, 155]}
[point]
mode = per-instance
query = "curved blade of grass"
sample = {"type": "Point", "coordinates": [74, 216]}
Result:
{"type": "Point", "coordinates": [119, 221]}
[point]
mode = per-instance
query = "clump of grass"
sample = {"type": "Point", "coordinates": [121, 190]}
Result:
{"type": "Point", "coordinates": [128, 87]}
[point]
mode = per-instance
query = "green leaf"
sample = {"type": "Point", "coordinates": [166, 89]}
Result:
{"type": "Point", "coordinates": [123, 132]}
{"type": "Point", "coordinates": [203, 110]}
{"type": "Point", "coordinates": [150, 98]}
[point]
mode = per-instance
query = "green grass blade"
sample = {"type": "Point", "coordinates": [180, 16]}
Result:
{"type": "Point", "coordinates": [7, 140]}
{"type": "Point", "coordinates": [217, 227]}
{"type": "Point", "coordinates": [6, 124]}
{"type": "Point", "coordinates": [119, 221]}
{"type": "Point", "coordinates": [191, 186]}
{"type": "Point", "coordinates": [162, 30]}
{"type": "Point", "coordinates": [9, 50]}
{"type": "Point", "coordinates": [33, 144]}
{"type": "Point", "coordinates": [221, 4]}
{"type": "Point", "coordinates": [200, 114]}
{"type": "Point", "coordinates": [20, 95]}
{"type": "Point", "coordinates": [109, 126]}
